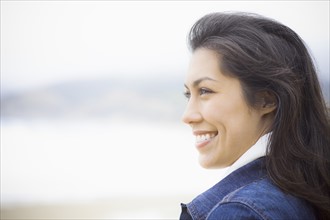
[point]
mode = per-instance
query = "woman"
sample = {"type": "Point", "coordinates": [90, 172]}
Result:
{"type": "Point", "coordinates": [255, 106]}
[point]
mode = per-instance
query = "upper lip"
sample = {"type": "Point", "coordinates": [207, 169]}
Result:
{"type": "Point", "coordinates": [201, 132]}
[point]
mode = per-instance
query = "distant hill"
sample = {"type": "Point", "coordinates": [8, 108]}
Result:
{"type": "Point", "coordinates": [147, 99]}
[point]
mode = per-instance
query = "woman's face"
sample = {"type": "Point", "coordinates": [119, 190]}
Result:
{"type": "Point", "coordinates": [224, 126]}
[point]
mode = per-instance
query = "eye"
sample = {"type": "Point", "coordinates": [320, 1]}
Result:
{"type": "Point", "coordinates": [187, 94]}
{"type": "Point", "coordinates": [204, 91]}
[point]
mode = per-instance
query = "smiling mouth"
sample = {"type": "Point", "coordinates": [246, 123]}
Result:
{"type": "Point", "coordinates": [204, 138]}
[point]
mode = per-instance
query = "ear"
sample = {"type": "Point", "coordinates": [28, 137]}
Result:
{"type": "Point", "coordinates": [266, 102]}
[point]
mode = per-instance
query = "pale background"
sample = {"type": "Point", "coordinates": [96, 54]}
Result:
{"type": "Point", "coordinates": [91, 99]}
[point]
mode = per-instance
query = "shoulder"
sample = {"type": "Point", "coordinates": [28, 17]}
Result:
{"type": "Point", "coordinates": [261, 199]}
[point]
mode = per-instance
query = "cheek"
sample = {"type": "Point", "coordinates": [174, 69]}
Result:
{"type": "Point", "coordinates": [222, 110]}
{"type": "Point", "coordinates": [228, 114]}
{"type": "Point", "coordinates": [212, 112]}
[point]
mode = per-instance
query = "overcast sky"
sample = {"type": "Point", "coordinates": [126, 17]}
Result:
{"type": "Point", "coordinates": [44, 42]}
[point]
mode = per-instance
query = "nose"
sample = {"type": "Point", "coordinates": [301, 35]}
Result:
{"type": "Point", "coordinates": [191, 114]}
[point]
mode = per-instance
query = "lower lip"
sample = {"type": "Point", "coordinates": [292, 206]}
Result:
{"type": "Point", "coordinates": [201, 145]}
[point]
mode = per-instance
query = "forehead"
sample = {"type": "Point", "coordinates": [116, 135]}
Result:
{"type": "Point", "coordinates": [203, 59]}
{"type": "Point", "coordinates": [204, 63]}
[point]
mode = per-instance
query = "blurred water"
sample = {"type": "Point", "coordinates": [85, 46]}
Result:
{"type": "Point", "coordinates": [58, 162]}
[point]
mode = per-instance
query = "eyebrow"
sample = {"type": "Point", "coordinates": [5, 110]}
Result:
{"type": "Point", "coordinates": [198, 81]}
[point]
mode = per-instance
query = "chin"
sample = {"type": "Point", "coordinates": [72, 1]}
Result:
{"type": "Point", "coordinates": [207, 164]}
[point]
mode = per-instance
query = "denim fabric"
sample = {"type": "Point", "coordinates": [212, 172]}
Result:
{"type": "Point", "coordinates": [247, 193]}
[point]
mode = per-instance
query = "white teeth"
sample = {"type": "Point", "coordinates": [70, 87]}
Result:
{"type": "Point", "coordinates": [204, 137]}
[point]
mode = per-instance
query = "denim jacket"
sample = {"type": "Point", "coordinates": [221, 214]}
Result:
{"type": "Point", "coordinates": [247, 193]}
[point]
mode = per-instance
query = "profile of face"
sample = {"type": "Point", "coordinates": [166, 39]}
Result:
{"type": "Point", "coordinates": [224, 125]}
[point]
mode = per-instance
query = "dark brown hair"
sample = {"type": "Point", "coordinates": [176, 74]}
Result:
{"type": "Point", "coordinates": [267, 56]}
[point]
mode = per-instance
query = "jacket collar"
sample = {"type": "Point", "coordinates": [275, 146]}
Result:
{"type": "Point", "coordinates": [202, 205]}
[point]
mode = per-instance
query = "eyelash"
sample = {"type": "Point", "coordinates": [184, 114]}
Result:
{"type": "Point", "coordinates": [202, 91]}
